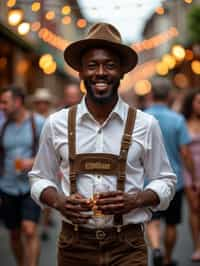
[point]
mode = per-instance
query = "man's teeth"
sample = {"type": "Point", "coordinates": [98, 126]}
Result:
{"type": "Point", "coordinates": [101, 84]}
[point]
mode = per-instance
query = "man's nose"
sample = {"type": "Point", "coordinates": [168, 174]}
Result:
{"type": "Point", "coordinates": [100, 70]}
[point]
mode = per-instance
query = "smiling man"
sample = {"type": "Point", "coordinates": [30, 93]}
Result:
{"type": "Point", "coordinates": [104, 149]}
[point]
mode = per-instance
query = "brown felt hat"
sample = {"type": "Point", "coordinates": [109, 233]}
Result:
{"type": "Point", "coordinates": [101, 35]}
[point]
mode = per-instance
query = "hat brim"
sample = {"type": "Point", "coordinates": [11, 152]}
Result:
{"type": "Point", "coordinates": [74, 52]}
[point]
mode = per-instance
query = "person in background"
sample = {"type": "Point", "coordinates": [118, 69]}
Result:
{"type": "Point", "coordinates": [2, 118]}
{"type": "Point", "coordinates": [176, 140]}
{"type": "Point", "coordinates": [191, 112]}
{"type": "Point", "coordinates": [18, 145]}
{"type": "Point", "coordinates": [72, 94]}
{"type": "Point", "coordinates": [103, 148]}
{"type": "Point", "coordinates": [43, 102]}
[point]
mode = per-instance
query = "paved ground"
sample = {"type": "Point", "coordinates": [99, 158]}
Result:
{"type": "Point", "coordinates": [182, 251]}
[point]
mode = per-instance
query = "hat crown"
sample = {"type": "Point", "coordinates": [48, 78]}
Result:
{"type": "Point", "coordinates": [42, 94]}
{"type": "Point", "coordinates": [104, 31]}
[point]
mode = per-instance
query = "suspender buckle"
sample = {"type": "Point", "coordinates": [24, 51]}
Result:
{"type": "Point", "coordinates": [119, 228]}
{"type": "Point", "coordinates": [75, 227]}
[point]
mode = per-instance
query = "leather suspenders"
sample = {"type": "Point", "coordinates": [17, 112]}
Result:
{"type": "Point", "coordinates": [100, 163]}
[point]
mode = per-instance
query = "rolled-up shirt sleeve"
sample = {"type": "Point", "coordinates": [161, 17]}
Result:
{"type": "Point", "coordinates": [46, 164]}
{"type": "Point", "coordinates": [162, 179]}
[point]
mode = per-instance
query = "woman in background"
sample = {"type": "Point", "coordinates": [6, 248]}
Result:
{"type": "Point", "coordinates": [191, 111]}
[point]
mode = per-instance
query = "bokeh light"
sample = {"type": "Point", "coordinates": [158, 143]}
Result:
{"type": "Point", "coordinates": [162, 68]}
{"type": "Point", "coordinates": [196, 66]}
{"type": "Point", "coordinates": [81, 23]}
{"type": "Point", "coordinates": [11, 3]}
{"type": "Point", "coordinates": [36, 6]}
{"type": "Point", "coordinates": [178, 51]}
{"type": "Point", "coordinates": [142, 87]}
{"type": "Point", "coordinates": [23, 28]}
{"type": "Point", "coordinates": [50, 15]}
{"type": "Point", "coordinates": [66, 10]}
{"type": "Point", "coordinates": [66, 20]}
{"type": "Point", "coordinates": [15, 16]}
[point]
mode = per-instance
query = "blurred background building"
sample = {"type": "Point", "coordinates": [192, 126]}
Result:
{"type": "Point", "coordinates": [33, 35]}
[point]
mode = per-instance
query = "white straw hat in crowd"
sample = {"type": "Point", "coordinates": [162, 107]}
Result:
{"type": "Point", "coordinates": [43, 94]}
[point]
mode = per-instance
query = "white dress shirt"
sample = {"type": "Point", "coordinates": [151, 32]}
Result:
{"type": "Point", "coordinates": [146, 156]}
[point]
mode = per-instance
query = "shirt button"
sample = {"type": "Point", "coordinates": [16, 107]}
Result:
{"type": "Point", "coordinates": [98, 176]}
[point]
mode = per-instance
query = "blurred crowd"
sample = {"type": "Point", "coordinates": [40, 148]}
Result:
{"type": "Point", "coordinates": [21, 121]}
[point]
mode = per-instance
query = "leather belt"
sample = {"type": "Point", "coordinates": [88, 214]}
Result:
{"type": "Point", "coordinates": [100, 234]}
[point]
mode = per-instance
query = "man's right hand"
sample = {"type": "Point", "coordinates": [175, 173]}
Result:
{"type": "Point", "coordinates": [74, 207]}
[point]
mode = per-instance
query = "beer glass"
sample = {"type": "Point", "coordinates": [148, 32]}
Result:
{"type": "Point", "coordinates": [99, 218]}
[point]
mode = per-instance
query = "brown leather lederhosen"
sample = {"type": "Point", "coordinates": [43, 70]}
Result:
{"type": "Point", "coordinates": [100, 163]}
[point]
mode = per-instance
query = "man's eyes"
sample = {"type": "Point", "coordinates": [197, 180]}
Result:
{"type": "Point", "coordinates": [91, 65]}
{"type": "Point", "coordinates": [109, 65]}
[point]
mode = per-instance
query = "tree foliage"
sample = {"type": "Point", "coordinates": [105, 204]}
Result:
{"type": "Point", "coordinates": [193, 22]}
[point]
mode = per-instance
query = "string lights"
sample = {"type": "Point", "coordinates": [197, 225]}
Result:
{"type": "Point", "coordinates": [156, 40]}
{"type": "Point", "coordinates": [167, 62]}
{"type": "Point", "coordinates": [52, 39]}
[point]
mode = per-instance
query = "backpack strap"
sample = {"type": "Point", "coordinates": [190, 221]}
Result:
{"type": "Point", "coordinates": [2, 150]}
{"type": "Point", "coordinates": [126, 142]}
{"type": "Point", "coordinates": [34, 135]}
{"type": "Point", "coordinates": [72, 146]}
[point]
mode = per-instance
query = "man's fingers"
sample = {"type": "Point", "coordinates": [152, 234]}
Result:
{"type": "Point", "coordinates": [77, 208]}
{"type": "Point", "coordinates": [109, 194]}
{"type": "Point", "coordinates": [75, 216]}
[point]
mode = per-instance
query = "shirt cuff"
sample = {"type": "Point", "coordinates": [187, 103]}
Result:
{"type": "Point", "coordinates": [38, 187]}
{"type": "Point", "coordinates": [164, 192]}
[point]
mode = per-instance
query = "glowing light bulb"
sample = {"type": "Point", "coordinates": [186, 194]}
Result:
{"type": "Point", "coordinates": [24, 28]}
{"type": "Point", "coordinates": [15, 16]}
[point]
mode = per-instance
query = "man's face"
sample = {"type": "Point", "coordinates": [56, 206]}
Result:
{"type": "Point", "coordinates": [101, 72]}
{"type": "Point", "coordinates": [42, 107]}
{"type": "Point", "coordinates": [72, 95]}
{"type": "Point", "coordinates": [8, 104]}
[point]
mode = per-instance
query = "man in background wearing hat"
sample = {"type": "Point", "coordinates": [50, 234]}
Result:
{"type": "Point", "coordinates": [43, 102]}
{"type": "Point", "coordinates": [104, 149]}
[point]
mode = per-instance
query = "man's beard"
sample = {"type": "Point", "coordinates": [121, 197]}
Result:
{"type": "Point", "coordinates": [112, 94]}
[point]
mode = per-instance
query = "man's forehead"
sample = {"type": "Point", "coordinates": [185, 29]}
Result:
{"type": "Point", "coordinates": [6, 94]}
{"type": "Point", "coordinates": [96, 52]}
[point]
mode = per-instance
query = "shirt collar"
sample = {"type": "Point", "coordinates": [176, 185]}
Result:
{"type": "Point", "coordinates": [120, 109]}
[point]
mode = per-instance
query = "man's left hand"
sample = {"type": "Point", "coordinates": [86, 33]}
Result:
{"type": "Point", "coordinates": [117, 202]}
